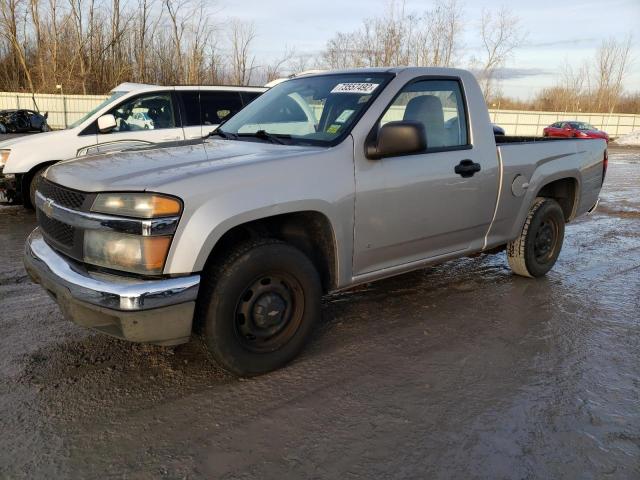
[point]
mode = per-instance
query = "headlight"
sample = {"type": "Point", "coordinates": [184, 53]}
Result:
{"type": "Point", "coordinates": [122, 251]}
{"type": "Point", "coordinates": [4, 156]}
{"type": "Point", "coordinates": [138, 205]}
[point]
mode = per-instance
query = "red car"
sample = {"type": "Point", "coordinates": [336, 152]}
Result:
{"type": "Point", "coordinates": [574, 130]}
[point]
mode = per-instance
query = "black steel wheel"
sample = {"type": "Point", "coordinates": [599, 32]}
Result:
{"type": "Point", "coordinates": [269, 312]}
{"type": "Point", "coordinates": [258, 305]}
{"type": "Point", "coordinates": [536, 249]}
{"type": "Point", "coordinates": [546, 238]}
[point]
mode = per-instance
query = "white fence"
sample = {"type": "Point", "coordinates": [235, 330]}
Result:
{"type": "Point", "coordinates": [66, 109]}
{"type": "Point", "coordinates": [63, 109]}
{"type": "Point", "coordinates": [522, 122]}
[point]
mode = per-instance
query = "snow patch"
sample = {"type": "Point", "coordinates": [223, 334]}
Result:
{"type": "Point", "coordinates": [632, 138]}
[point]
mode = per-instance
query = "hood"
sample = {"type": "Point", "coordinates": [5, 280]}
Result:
{"type": "Point", "coordinates": [150, 169]}
{"type": "Point", "coordinates": [33, 140]}
{"type": "Point", "coordinates": [597, 133]}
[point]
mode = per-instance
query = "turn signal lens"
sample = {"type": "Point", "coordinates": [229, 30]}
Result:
{"type": "Point", "coordinates": [130, 253]}
{"type": "Point", "coordinates": [4, 156]}
{"type": "Point", "coordinates": [138, 205]}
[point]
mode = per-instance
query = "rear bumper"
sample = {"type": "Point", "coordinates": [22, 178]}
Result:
{"type": "Point", "coordinates": [149, 311]}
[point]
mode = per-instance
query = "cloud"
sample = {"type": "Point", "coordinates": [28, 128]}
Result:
{"type": "Point", "coordinates": [506, 73]}
{"type": "Point", "coordinates": [584, 41]}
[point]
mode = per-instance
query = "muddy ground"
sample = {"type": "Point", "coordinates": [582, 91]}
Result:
{"type": "Point", "coordinates": [457, 371]}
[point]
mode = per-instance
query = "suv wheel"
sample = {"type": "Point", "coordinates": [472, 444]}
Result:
{"type": "Point", "coordinates": [34, 181]}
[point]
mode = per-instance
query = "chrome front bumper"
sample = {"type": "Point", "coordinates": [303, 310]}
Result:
{"type": "Point", "coordinates": [153, 311]}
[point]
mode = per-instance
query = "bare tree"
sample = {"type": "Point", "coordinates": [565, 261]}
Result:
{"type": "Point", "coordinates": [275, 69]}
{"type": "Point", "coordinates": [241, 36]}
{"type": "Point", "coordinates": [178, 24]}
{"type": "Point", "coordinates": [399, 37]}
{"type": "Point", "coordinates": [612, 64]}
{"type": "Point", "coordinates": [501, 34]}
{"type": "Point", "coordinates": [10, 10]}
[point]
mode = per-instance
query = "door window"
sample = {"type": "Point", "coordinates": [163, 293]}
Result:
{"type": "Point", "coordinates": [248, 97]}
{"type": "Point", "coordinates": [152, 111]}
{"type": "Point", "coordinates": [191, 103]}
{"type": "Point", "coordinates": [216, 106]}
{"type": "Point", "coordinates": [438, 105]}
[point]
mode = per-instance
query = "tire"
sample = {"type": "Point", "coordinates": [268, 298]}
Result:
{"type": "Point", "coordinates": [258, 306]}
{"type": "Point", "coordinates": [22, 125]}
{"type": "Point", "coordinates": [536, 249]}
{"type": "Point", "coordinates": [34, 181]}
{"type": "Point", "coordinates": [44, 127]}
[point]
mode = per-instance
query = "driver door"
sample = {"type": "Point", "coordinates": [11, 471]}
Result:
{"type": "Point", "coordinates": [416, 206]}
{"type": "Point", "coordinates": [162, 126]}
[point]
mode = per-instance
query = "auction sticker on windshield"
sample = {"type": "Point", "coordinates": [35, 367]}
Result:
{"type": "Point", "coordinates": [363, 88]}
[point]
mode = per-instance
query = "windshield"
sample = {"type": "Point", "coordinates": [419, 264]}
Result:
{"type": "Point", "coordinates": [111, 98]}
{"type": "Point", "coordinates": [582, 126]}
{"type": "Point", "coordinates": [318, 110]}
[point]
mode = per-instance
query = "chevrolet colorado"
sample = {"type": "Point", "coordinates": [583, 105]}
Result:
{"type": "Point", "coordinates": [324, 182]}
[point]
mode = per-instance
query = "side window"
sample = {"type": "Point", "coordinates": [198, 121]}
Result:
{"type": "Point", "coordinates": [152, 111]}
{"type": "Point", "coordinates": [216, 106]}
{"type": "Point", "coordinates": [191, 104]}
{"type": "Point", "coordinates": [248, 97]}
{"type": "Point", "coordinates": [438, 105]}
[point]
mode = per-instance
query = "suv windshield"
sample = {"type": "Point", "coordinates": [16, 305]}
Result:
{"type": "Point", "coordinates": [111, 98]}
{"type": "Point", "coordinates": [317, 110]}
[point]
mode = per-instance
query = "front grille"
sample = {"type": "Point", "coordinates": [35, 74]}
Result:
{"type": "Point", "coordinates": [59, 232]}
{"type": "Point", "coordinates": [61, 195]}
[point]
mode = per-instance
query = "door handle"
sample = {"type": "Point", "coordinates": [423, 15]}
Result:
{"type": "Point", "coordinates": [467, 168]}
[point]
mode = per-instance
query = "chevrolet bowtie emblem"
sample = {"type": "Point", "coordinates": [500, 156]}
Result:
{"type": "Point", "coordinates": [47, 207]}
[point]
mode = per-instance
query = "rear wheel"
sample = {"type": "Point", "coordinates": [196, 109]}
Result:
{"type": "Point", "coordinates": [536, 249]}
{"type": "Point", "coordinates": [258, 306]}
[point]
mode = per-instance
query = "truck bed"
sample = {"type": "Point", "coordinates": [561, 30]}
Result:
{"type": "Point", "coordinates": [502, 139]}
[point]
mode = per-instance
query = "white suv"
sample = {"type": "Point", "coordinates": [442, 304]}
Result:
{"type": "Point", "coordinates": [133, 115]}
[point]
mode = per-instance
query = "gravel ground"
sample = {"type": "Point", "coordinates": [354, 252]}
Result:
{"type": "Point", "coordinates": [457, 371]}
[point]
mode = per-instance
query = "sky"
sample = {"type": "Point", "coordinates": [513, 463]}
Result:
{"type": "Point", "coordinates": [556, 31]}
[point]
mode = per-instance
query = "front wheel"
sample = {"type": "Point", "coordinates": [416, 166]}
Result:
{"type": "Point", "coordinates": [34, 181]}
{"type": "Point", "coordinates": [536, 249]}
{"type": "Point", "coordinates": [258, 306]}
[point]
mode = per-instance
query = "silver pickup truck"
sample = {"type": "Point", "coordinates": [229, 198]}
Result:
{"type": "Point", "coordinates": [324, 182]}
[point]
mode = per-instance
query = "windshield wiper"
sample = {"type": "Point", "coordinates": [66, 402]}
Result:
{"type": "Point", "coordinates": [222, 134]}
{"type": "Point", "coordinates": [264, 135]}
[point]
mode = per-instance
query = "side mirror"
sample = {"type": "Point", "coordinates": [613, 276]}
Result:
{"type": "Point", "coordinates": [106, 123]}
{"type": "Point", "coordinates": [397, 138]}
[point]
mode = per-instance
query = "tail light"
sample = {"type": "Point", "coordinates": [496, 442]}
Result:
{"type": "Point", "coordinates": [605, 164]}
